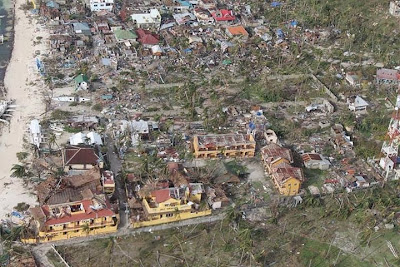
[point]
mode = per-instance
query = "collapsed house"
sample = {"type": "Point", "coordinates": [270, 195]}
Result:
{"type": "Point", "coordinates": [340, 140]}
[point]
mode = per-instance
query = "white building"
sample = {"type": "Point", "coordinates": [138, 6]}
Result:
{"type": "Point", "coordinates": [315, 161]}
{"type": "Point", "coordinates": [35, 133]}
{"type": "Point", "coordinates": [99, 5]}
{"type": "Point", "coordinates": [91, 138]}
{"type": "Point", "coordinates": [150, 19]}
{"type": "Point", "coordinates": [353, 79]}
{"type": "Point", "coordinates": [357, 103]}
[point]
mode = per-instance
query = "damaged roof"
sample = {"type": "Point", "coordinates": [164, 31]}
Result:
{"type": "Point", "coordinates": [81, 155]}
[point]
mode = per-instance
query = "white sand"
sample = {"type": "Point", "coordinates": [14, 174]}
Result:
{"type": "Point", "coordinates": [20, 72]}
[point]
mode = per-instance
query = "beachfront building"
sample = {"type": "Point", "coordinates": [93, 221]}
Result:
{"type": "Point", "coordinates": [74, 207]}
{"type": "Point", "coordinates": [170, 205]}
{"type": "Point", "coordinates": [89, 216]}
{"type": "Point", "coordinates": [227, 145]}
{"type": "Point", "coordinates": [99, 5]}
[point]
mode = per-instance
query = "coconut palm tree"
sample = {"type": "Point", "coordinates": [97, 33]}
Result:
{"type": "Point", "coordinates": [51, 140]}
{"type": "Point", "coordinates": [18, 171]}
{"type": "Point", "coordinates": [86, 228]}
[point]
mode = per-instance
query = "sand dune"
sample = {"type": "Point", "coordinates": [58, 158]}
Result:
{"type": "Point", "coordinates": [20, 74]}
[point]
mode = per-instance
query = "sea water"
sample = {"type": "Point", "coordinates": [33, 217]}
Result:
{"type": "Point", "coordinates": [6, 29]}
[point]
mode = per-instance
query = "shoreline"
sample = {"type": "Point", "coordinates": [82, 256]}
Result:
{"type": "Point", "coordinates": [10, 22]}
{"type": "Point", "coordinates": [23, 84]}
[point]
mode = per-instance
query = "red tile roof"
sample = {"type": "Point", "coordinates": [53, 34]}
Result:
{"type": "Point", "coordinates": [161, 195]}
{"type": "Point", "coordinates": [89, 214]}
{"type": "Point", "coordinates": [146, 37]}
{"type": "Point", "coordinates": [223, 15]}
{"type": "Point", "coordinates": [80, 155]}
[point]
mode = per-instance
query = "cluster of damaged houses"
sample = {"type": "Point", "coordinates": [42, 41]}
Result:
{"type": "Point", "coordinates": [119, 37]}
{"type": "Point", "coordinates": [81, 202]}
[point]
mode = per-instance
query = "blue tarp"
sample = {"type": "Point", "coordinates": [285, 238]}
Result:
{"type": "Point", "coordinates": [252, 126]}
{"type": "Point", "coordinates": [293, 23]}
{"type": "Point", "coordinates": [276, 4]}
{"type": "Point", "coordinates": [184, 3]}
{"type": "Point", "coordinates": [107, 97]}
{"type": "Point", "coordinates": [280, 33]}
{"type": "Point", "coordinates": [17, 214]}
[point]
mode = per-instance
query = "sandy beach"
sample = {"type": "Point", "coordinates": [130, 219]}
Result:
{"type": "Point", "coordinates": [20, 76]}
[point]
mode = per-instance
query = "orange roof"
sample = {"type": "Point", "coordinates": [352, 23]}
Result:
{"type": "Point", "coordinates": [237, 30]}
{"type": "Point", "coordinates": [311, 156]}
{"type": "Point", "coordinates": [161, 195]}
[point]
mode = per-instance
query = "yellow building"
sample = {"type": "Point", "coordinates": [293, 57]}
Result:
{"type": "Point", "coordinates": [108, 182]}
{"type": "Point", "coordinates": [73, 219]}
{"type": "Point", "coordinates": [287, 179]}
{"type": "Point", "coordinates": [273, 154]}
{"type": "Point", "coordinates": [227, 145]}
{"type": "Point", "coordinates": [171, 205]}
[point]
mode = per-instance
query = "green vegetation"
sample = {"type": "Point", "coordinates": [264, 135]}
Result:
{"type": "Point", "coordinates": [314, 177]}
{"type": "Point", "coordinates": [18, 171]}
{"type": "Point", "coordinates": [55, 259]}
{"type": "Point", "coordinates": [97, 107]}
{"type": "Point", "coordinates": [315, 253]}
{"type": "Point", "coordinates": [374, 124]}
{"type": "Point", "coordinates": [22, 155]}
{"type": "Point", "coordinates": [58, 114]}
{"type": "Point", "coordinates": [22, 206]}
{"type": "Point", "coordinates": [236, 168]}
{"type": "Point", "coordinates": [70, 129]}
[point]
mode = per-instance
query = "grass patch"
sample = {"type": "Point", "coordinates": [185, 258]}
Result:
{"type": "Point", "coordinates": [315, 253]}
{"type": "Point", "coordinates": [54, 259]}
{"type": "Point", "coordinates": [314, 177]}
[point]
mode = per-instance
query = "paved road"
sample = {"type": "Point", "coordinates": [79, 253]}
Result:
{"type": "Point", "coordinates": [120, 192]}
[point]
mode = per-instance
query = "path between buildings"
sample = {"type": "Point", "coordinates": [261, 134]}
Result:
{"type": "Point", "coordinates": [40, 251]}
